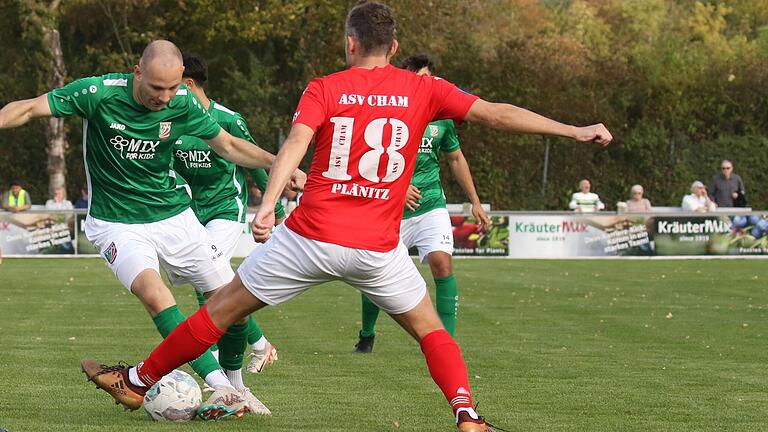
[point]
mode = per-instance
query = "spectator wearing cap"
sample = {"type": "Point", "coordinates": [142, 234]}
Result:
{"type": "Point", "coordinates": [636, 202]}
{"type": "Point", "coordinates": [698, 200]}
{"type": "Point", "coordinates": [58, 202]}
{"type": "Point", "coordinates": [727, 189]}
{"type": "Point", "coordinates": [585, 201]}
{"type": "Point", "coordinates": [16, 199]}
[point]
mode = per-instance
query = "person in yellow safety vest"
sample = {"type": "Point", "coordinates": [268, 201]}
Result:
{"type": "Point", "coordinates": [16, 199]}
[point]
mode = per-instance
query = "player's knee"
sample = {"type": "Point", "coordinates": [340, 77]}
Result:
{"type": "Point", "coordinates": [440, 264]}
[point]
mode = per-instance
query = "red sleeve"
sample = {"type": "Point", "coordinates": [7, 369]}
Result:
{"type": "Point", "coordinates": [311, 109]}
{"type": "Point", "coordinates": [449, 102]}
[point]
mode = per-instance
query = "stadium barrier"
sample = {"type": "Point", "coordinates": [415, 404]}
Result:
{"type": "Point", "coordinates": [511, 234]}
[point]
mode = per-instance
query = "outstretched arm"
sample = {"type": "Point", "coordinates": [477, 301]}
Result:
{"type": "Point", "coordinates": [460, 170]}
{"type": "Point", "coordinates": [240, 151]}
{"type": "Point", "coordinates": [20, 112]}
{"type": "Point", "coordinates": [287, 162]}
{"type": "Point", "coordinates": [515, 119]}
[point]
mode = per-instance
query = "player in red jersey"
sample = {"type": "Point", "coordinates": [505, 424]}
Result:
{"type": "Point", "coordinates": [368, 122]}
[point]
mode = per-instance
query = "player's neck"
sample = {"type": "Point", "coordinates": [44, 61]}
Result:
{"type": "Point", "coordinates": [370, 62]}
{"type": "Point", "coordinates": [202, 97]}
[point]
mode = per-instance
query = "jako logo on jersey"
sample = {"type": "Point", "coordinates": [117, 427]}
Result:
{"type": "Point", "coordinates": [117, 126]}
{"type": "Point", "coordinates": [434, 131]}
{"type": "Point", "coordinates": [195, 158]}
{"type": "Point", "coordinates": [165, 130]}
{"type": "Point", "coordinates": [374, 100]}
{"type": "Point", "coordinates": [110, 253]}
{"type": "Point", "coordinates": [134, 148]}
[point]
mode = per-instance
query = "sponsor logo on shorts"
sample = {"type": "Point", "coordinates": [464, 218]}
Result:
{"type": "Point", "coordinates": [165, 130]}
{"type": "Point", "coordinates": [110, 253]}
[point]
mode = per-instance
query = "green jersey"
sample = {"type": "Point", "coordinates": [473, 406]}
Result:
{"type": "Point", "coordinates": [440, 136]}
{"type": "Point", "coordinates": [128, 149]}
{"type": "Point", "coordinates": [217, 185]}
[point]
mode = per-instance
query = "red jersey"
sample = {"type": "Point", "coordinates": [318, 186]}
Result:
{"type": "Point", "coordinates": [368, 126]}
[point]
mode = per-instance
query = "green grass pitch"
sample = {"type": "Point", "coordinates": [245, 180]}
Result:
{"type": "Point", "coordinates": [550, 346]}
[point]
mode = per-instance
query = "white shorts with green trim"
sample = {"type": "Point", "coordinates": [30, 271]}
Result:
{"type": "Point", "coordinates": [429, 232]}
{"type": "Point", "coordinates": [183, 247]}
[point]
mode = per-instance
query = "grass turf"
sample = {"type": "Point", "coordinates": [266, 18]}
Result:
{"type": "Point", "coordinates": [550, 345]}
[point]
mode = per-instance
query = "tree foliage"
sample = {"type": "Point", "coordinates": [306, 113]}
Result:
{"type": "Point", "coordinates": [682, 84]}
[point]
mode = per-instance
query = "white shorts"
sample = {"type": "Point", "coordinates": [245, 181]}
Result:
{"type": "Point", "coordinates": [430, 232]}
{"type": "Point", "coordinates": [288, 264]}
{"type": "Point", "coordinates": [227, 234]}
{"type": "Point", "coordinates": [179, 243]}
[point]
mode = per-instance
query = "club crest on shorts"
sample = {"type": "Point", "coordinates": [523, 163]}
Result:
{"type": "Point", "coordinates": [165, 130]}
{"type": "Point", "coordinates": [110, 253]}
{"type": "Point", "coordinates": [434, 131]}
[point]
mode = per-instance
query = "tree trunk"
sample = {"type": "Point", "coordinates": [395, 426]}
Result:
{"type": "Point", "coordinates": [54, 129]}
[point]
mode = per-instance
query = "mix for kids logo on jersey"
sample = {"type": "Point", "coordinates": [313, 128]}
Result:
{"type": "Point", "coordinates": [132, 148]}
{"type": "Point", "coordinates": [165, 130]}
{"type": "Point", "coordinates": [194, 158]}
{"type": "Point", "coordinates": [110, 253]}
{"type": "Point", "coordinates": [426, 144]}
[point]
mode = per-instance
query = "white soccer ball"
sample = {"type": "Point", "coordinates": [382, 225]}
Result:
{"type": "Point", "coordinates": [175, 397]}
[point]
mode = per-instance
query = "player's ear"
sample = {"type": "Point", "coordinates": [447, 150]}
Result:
{"type": "Point", "coordinates": [351, 45]}
{"type": "Point", "coordinates": [393, 48]}
{"type": "Point", "coordinates": [136, 72]}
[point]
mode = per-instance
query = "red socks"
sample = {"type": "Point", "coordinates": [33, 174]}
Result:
{"type": "Point", "coordinates": [186, 342]}
{"type": "Point", "coordinates": [447, 368]}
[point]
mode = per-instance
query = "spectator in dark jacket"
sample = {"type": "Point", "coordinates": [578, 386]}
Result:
{"type": "Point", "coordinates": [727, 188]}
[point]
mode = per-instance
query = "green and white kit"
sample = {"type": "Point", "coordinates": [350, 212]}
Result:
{"type": "Point", "coordinates": [128, 151]}
{"type": "Point", "coordinates": [428, 228]}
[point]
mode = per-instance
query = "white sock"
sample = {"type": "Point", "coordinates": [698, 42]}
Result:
{"type": "Point", "coordinates": [260, 345]}
{"type": "Point", "coordinates": [236, 378]}
{"type": "Point", "coordinates": [217, 378]}
{"type": "Point", "coordinates": [133, 376]}
{"type": "Point", "coordinates": [470, 411]}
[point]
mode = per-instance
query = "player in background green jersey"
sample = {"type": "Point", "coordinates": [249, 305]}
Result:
{"type": "Point", "coordinates": [426, 224]}
{"type": "Point", "coordinates": [137, 218]}
{"type": "Point", "coordinates": [219, 200]}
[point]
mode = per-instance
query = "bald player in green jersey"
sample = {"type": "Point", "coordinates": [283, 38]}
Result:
{"type": "Point", "coordinates": [137, 218]}
{"type": "Point", "coordinates": [219, 200]}
{"type": "Point", "coordinates": [426, 224]}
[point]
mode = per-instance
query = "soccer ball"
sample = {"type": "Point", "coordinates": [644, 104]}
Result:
{"type": "Point", "coordinates": [175, 397]}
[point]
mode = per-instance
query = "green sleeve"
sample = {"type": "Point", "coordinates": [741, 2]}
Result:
{"type": "Point", "coordinates": [80, 97]}
{"type": "Point", "coordinates": [450, 142]}
{"type": "Point", "coordinates": [239, 128]}
{"type": "Point", "coordinates": [200, 124]}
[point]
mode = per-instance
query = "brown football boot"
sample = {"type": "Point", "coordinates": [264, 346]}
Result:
{"type": "Point", "coordinates": [114, 380]}
{"type": "Point", "coordinates": [467, 424]}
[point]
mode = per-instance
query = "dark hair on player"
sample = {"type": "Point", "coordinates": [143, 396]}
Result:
{"type": "Point", "coordinates": [195, 68]}
{"type": "Point", "coordinates": [418, 62]}
{"type": "Point", "coordinates": [372, 25]}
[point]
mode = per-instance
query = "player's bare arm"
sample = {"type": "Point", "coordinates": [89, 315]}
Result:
{"type": "Point", "coordinates": [20, 112]}
{"type": "Point", "coordinates": [460, 169]}
{"type": "Point", "coordinates": [515, 119]}
{"type": "Point", "coordinates": [284, 168]}
{"type": "Point", "coordinates": [240, 151]}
